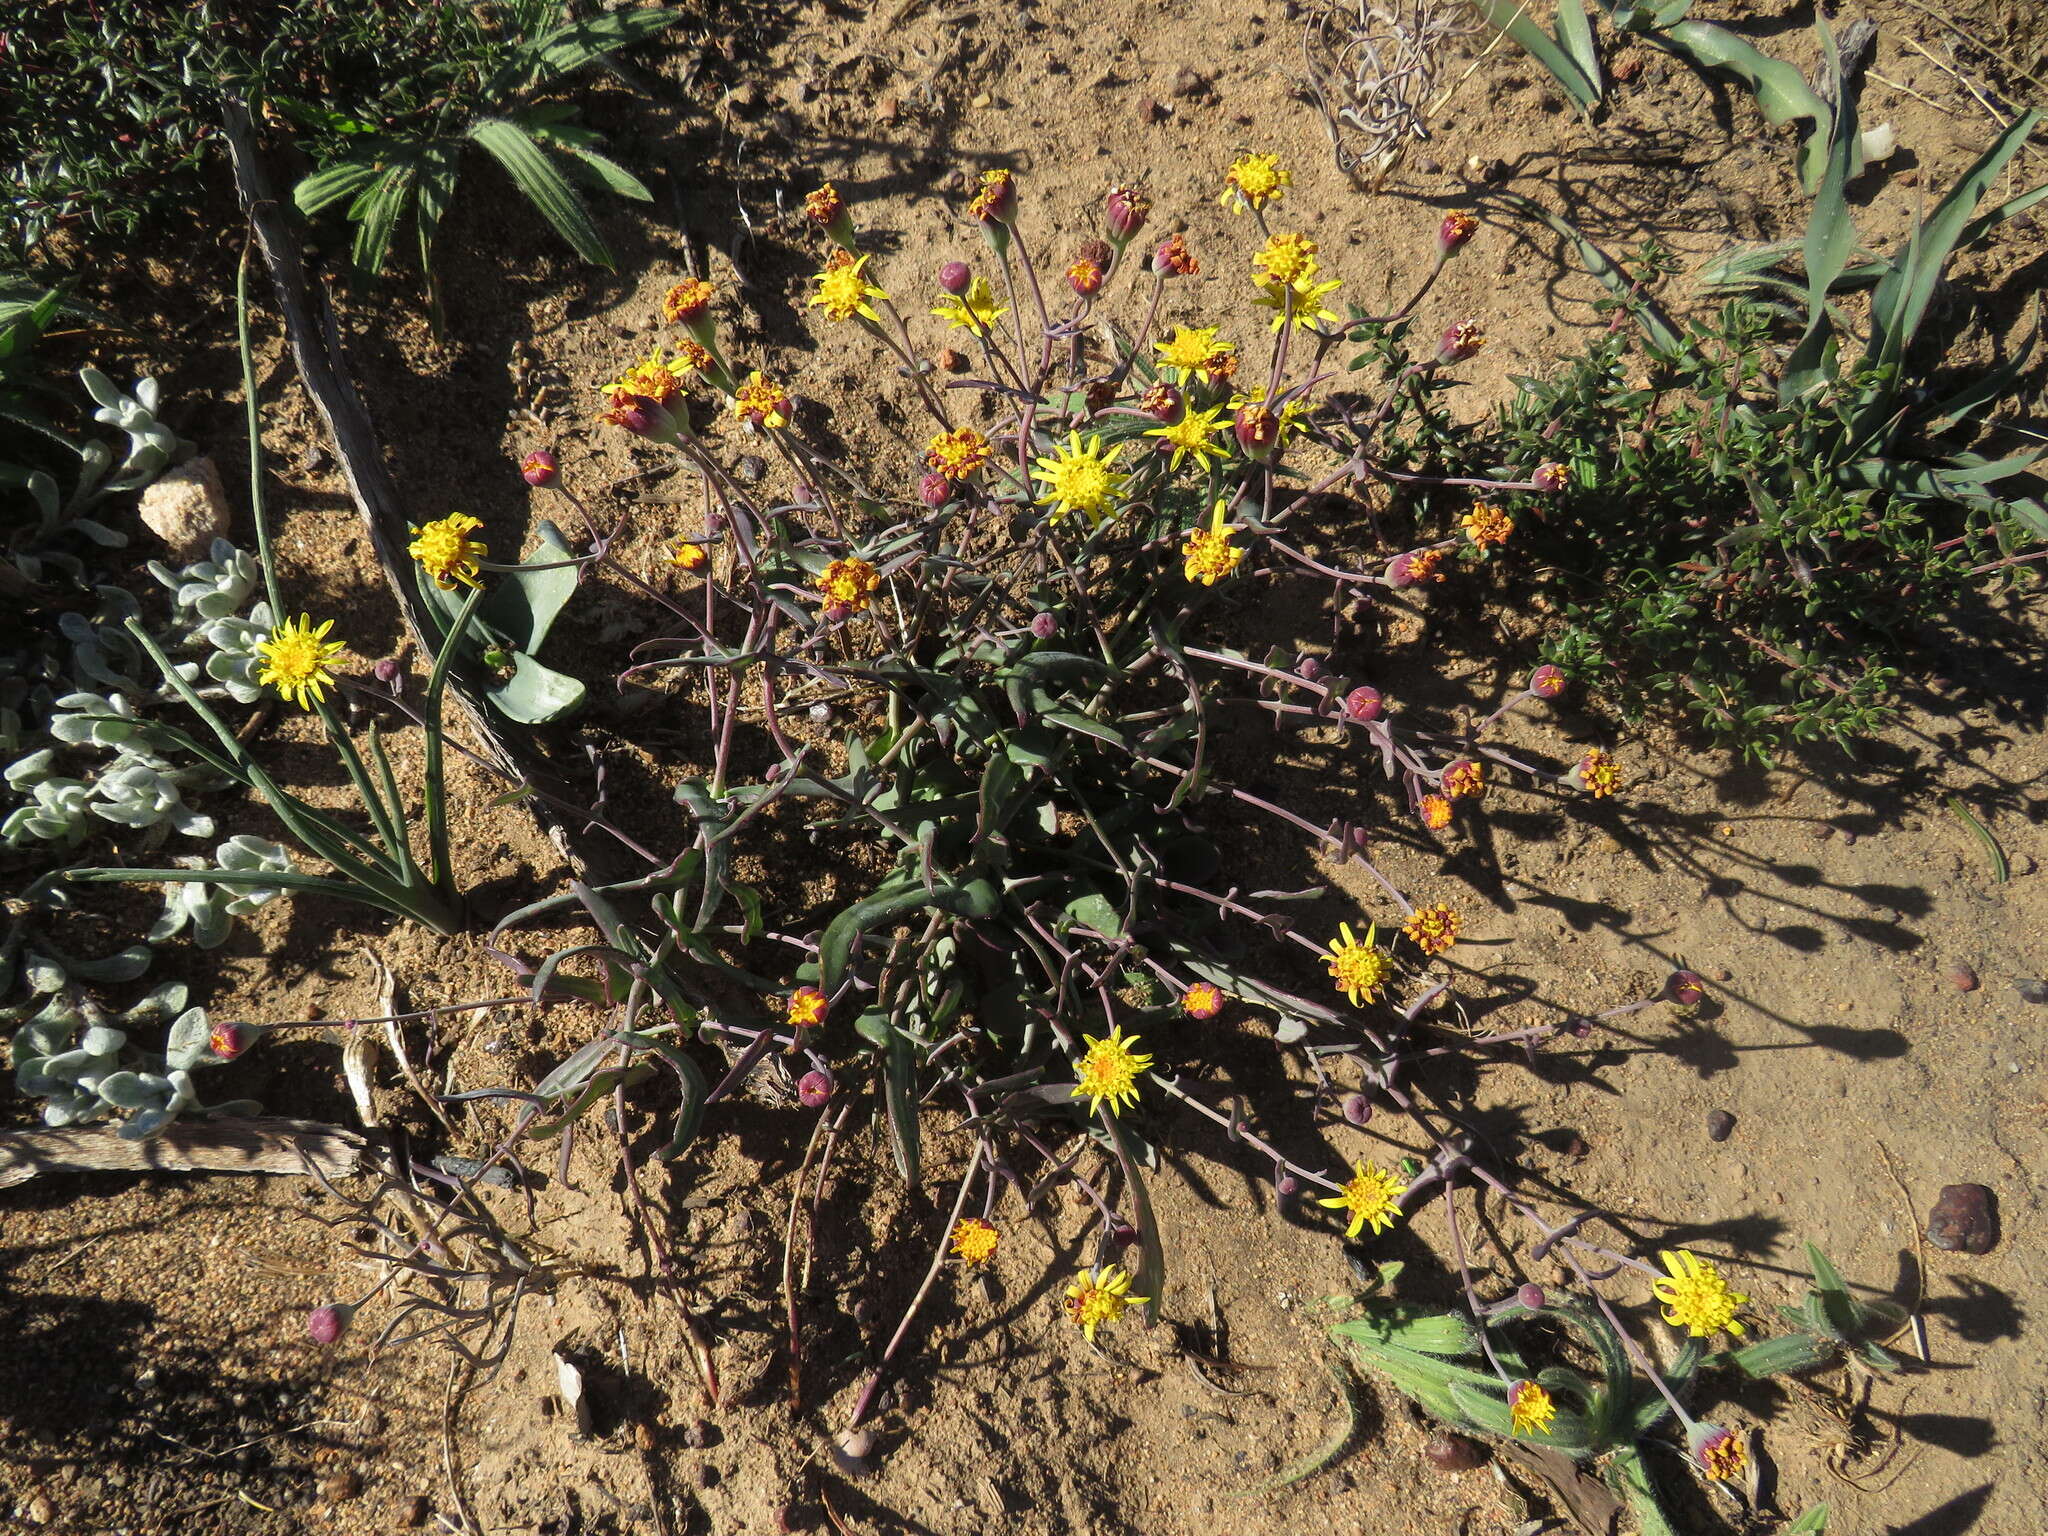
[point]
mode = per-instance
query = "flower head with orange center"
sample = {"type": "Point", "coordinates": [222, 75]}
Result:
{"type": "Point", "coordinates": [1719, 1452]}
{"type": "Point", "coordinates": [1465, 339]}
{"type": "Point", "coordinates": [1551, 477]}
{"type": "Point", "coordinates": [446, 551]}
{"type": "Point", "coordinates": [1085, 277]}
{"type": "Point", "coordinates": [957, 454]}
{"type": "Point", "coordinates": [844, 292]}
{"type": "Point", "coordinates": [1207, 554]}
{"type": "Point", "coordinates": [687, 301]}
{"type": "Point", "coordinates": [975, 310]}
{"type": "Point", "coordinates": [1360, 971]}
{"type": "Point", "coordinates": [1417, 565]}
{"type": "Point", "coordinates": [1284, 259]}
{"type": "Point", "coordinates": [1695, 1297]}
{"type": "Point", "coordinates": [1465, 779]}
{"type": "Point", "coordinates": [1433, 928]}
{"type": "Point", "coordinates": [763, 402]}
{"type": "Point", "coordinates": [847, 585]}
{"type": "Point", "coordinates": [1455, 230]}
{"type": "Point", "coordinates": [1530, 1409]}
{"type": "Point", "coordinates": [1203, 1000]}
{"type": "Point", "coordinates": [997, 198]}
{"type": "Point", "coordinates": [688, 554]}
{"type": "Point", "coordinates": [1110, 1070]}
{"type": "Point", "coordinates": [1192, 436]}
{"type": "Point", "coordinates": [1436, 812]}
{"type": "Point", "coordinates": [827, 209]}
{"type": "Point", "coordinates": [653, 378]}
{"type": "Point", "coordinates": [1254, 181]}
{"type": "Point", "coordinates": [1173, 258]}
{"type": "Point", "coordinates": [806, 1008]}
{"type": "Point", "coordinates": [1599, 773]}
{"type": "Point", "coordinates": [1190, 349]}
{"type": "Point", "coordinates": [1487, 526]}
{"type": "Point", "coordinates": [298, 660]}
{"type": "Point", "coordinates": [1080, 477]}
{"type": "Point", "coordinates": [1100, 1296]}
{"type": "Point", "coordinates": [974, 1241]}
{"type": "Point", "coordinates": [1371, 1197]}
{"type": "Point", "coordinates": [1301, 300]}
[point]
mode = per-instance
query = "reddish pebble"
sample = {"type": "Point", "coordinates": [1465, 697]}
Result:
{"type": "Point", "coordinates": [1964, 1219]}
{"type": "Point", "coordinates": [1453, 1453]}
{"type": "Point", "coordinates": [1964, 978]}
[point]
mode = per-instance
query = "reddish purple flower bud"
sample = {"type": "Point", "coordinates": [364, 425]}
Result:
{"type": "Point", "coordinates": [227, 1041]}
{"type": "Point", "coordinates": [955, 276]}
{"type": "Point", "coordinates": [813, 1089]}
{"type": "Point", "coordinates": [1551, 477]}
{"type": "Point", "coordinates": [1454, 231]}
{"type": "Point", "coordinates": [1547, 682]}
{"type": "Point", "coordinates": [1362, 705]}
{"type": "Point", "coordinates": [1581, 1028]}
{"type": "Point", "coordinates": [1357, 1108]}
{"type": "Point", "coordinates": [1532, 1297]}
{"type": "Point", "coordinates": [935, 490]}
{"type": "Point", "coordinates": [1125, 212]}
{"type": "Point", "coordinates": [1162, 402]}
{"type": "Point", "coordinates": [1123, 1236]}
{"type": "Point", "coordinates": [1044, 626]}
{"type": "Point", "coordinates": [1309, 667]}
{"type": "Point", "coordinates": [1085, 278]}
{"type": "Point", "coordinates": [1174, 259]}
{"type": "Point", "coordinates": [326, 1324]}
{"type": "Point", "coordinates": [386, 671]}
{"type": "Point", "coordinates": [539, 468]}
{"type": "Point", "coordinates": [1285, 1185]}
{"type": "Point", "coordinates": [1685, 988]}
{"type": "Point", "coordinates": [996, 202]}
{"type": "Point", "coordinates": [1460, 341]}
{"type": "Point", "coordinates": [1257, 429]}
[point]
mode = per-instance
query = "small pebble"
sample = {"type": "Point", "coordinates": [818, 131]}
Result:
{"type": "Point", "coordinates": [412, 1514]}
{"type": "Point", "coordinates": [1150, 111]}
{"type": "Point", "coordinates": [750, 469]}
{"type": "Point", "coordinates": [953, 361]}
{"type": "Point", "coordinates": [1453, 1453]}
{"type": "Point", "coordinates": [699, 1434]}
{"type": "Point", "coordinates": [1964, 1219]}
{"type": "Point", "coordinates": [39, 1510]}
{"type": "Point", "coordinates": [1963, 978]}
{"type": "Point", "coordinates": [1720, 1125]}
{"type": "Point", "coordinates": [340, 1486]}
{"type": "Point", "coordinates": [1186, 82]}
{"type": "Point", "coordinates": [2032, 989]}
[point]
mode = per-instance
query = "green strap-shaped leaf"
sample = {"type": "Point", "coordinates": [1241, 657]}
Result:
{"type": "Point", "coordinates": [1512, 17]}
{"type": "Point", "coordinates": [331, 184]}
{"type": "Point", "coordinates": [972, 898]}
{"type": "Point", "coordinates": [1575, 35]}
{"type": "Point", "coordinates": [377, 211]}
{"type": "Point", "coordinates": [1830, 237]}
{"type": "Point", "coordinates": [570, 48]}
{"type": "Point", "coordinates": [607, 173]}
{"type": "Point", "coordinates": [542, 185]}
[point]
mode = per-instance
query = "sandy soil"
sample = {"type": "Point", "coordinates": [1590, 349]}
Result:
{"type": "Point", "coordinates": [158, 1377]}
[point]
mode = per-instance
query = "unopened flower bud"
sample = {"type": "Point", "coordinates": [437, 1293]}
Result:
{"type": "Point", "coordinates": [1085, 278]}
{"type": "Point", "coordinates": [1532, 1297]}
{"type": "Point", "coordinates": [1685, 988]}
{"type": "Point", "coordinates": [955, 276]}
{"type": "Point", "coordinates": [1363, 704]}
{"type": "Point", "coordinates": [826, 209]}
{"type": "Point", "coordinates": [1125, 211]}
{"type": "Point", "coordinates": [539, 468]}
{"type": "Point", "coordinates": [1122, 1236]}
{"type": "Point", "coordinates": [1547, 681]}
{"type": "Point", "coordinates": [1257, 429]}
{"type": "Point", "coordinates": [1285, 1184]}
{"type": "Point", "coordinates": [1454, 231]}
{"type": "Point", "coordinates": [386, 670]}
{"type": "Point", "coordinates": [1044, 626]}
{"type": "Point", "coordinates": [227, 1041]}
{"type": "Point", "coordinates": [996, 202]}
{"type": "Point", "coordinates": [1309, 668]}
{"type": "Point", "coordinates": [935, 491]}
{"type": "Point", "coordinates": [1357, 1108]}
{"type": "Point", "coordinates": [326, 1324]}
{"type": "Point", "coordinates": [814, 1088]}
{"type": "Point", "coordinates": [1581, 1028]}
{"type": "Point", "coordinates": [1551, 477]}
{"type": "Point", "coordinates": [1162, 402]}
{"type": "Point", "coordinates": [1459, 342]}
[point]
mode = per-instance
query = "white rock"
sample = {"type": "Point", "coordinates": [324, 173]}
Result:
{"type": "Point", "coordinates": [187, 509]}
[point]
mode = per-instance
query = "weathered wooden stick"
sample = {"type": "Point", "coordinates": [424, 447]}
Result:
{"type": "Point", "coordinates": [247, 1145]}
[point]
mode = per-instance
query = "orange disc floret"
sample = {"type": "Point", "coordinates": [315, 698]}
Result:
{"type": "Point", "coordinates": [1433, 928]}
{"type": "Point", "coordinates": [957, 454]}
{"type": "Point", "coordinates": [1436, 812]}
{"type": "Point", "coordinates": [763, 402]}
{"type": "Point", "coordinates": [689, 300]}
{"type": "Point", "coordinates": [1465, 779]}
{"type": "Point", "coordinates": [1173, 257]}
{"type": "Point", "coordinates": [974, 1241]}
{"type": "Point", "coordinates": [1203, 1000]}
{"type": "Point", "coordinates": [807, 1007]}
{"type": "Point", "coordinates": [847, 585]}
{"type": "Point", "coordinates": [688, 554]}
{"type": "Point", "coordinates": [997, 199]}
{"type": "Point", "coordinates": [1599, 773]}
{"type": "Point", "coordinates": [1487, 526]}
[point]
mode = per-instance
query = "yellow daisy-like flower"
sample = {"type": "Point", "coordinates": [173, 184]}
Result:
{"type": "Point", "coordinates": [1433, 928]}
{"type": "Point", "coordinates": [1203, 1000]}
{"type": "Point", "coordinates": [1110, 1070]}
{"type": "Point", "coordinates": [653, 377]}
{"type": "Point", "coordinates": [1188, 349]}
{"type": "Point", "coordinates": [1530, 1409]}
{"type": "Point", "coordinates": [1695, 1296]}
{"type": "Point", "coordinates": [447, 552]}
{"type": "Point", "coordinates": [1487, 526]}
{"type": "Point", "coordinates": [957, 454]}
{"type": "Point", "coordinates": [975, 310]}
{"type": "Point", "coordinates": [844, 292]}
{"type": "Point", "coordinates": [688, 554]}
{"type": "Point", "coordinates": [1465, 780]}
{"type": "Point", "coordinates": [1254, 181]}
{"type": "Point", "coordinates": [1359, 970]}
{"type": "Point", "coordinates": [1080, 477]}
{"type": "Point", "coordinates": [1193, 436]}
{"type": "Point", "coordinates": [1307, 303]}
{"type": "Point", "coordinates": [763, 402]}
{"type": "Point", "coordinates": [1208, 552]}
{"type": "Point", "coordinates": [848, 584]}
{"type": "Point", "coordinates": [974, 1240]}
{"type": "Point", "coordinates": [1372, 1196]}
{"type": "Point", "coordinates": [1284, 259]}
{"type": "Point", "coordinates": [1436, 812]}
{"type": "Point", "coordinates": [1100, 1296]}
{"type": "Point", "coordinates": [297, 660]}
{"type": "Point", "coordinates": [806, 1008]}
{"type": "Point", "coordinates": [1600, 773]}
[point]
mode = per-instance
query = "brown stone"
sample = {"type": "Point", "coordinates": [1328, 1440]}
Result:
{"type": "Point", "coordinates": [1964, 1219]}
